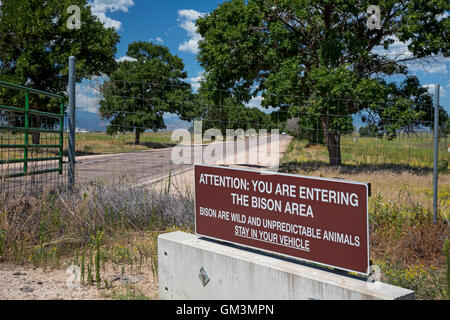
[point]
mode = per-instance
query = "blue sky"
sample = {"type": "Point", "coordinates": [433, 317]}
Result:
{"type": "Point", "coordinates": [172, 24]}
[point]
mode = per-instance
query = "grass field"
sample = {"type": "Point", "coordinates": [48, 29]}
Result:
{"type": "Point", "coordinates": [404, 153]}
{"type": "Point", "coordinates": [110, 233]}
{"type": "Point", "coordinates": [93, 143]}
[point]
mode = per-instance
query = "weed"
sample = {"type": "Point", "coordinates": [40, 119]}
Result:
{"type": "Point", "coordinates": [446, 250]}
{"type": "Point", "coordinates": [129, 292]}
{"type": "Point", "coordinates": [98, 239]}
{"type": "Point", "coordinates": [83, 267]}
{"type": "Point", "coordinates": [2, 243]}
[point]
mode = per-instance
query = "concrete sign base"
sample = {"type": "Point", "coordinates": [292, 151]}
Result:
{"type": "Point", "coordinates": [194, 268]}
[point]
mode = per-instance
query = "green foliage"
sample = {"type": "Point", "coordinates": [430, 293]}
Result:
{"type": "Point", "coordinates": [370, 130]}
{"type": "Point", "coordinates": [36, 44]}
{"type": "Point", "coordinates": [139, 92]}
{"type": "Point", "coordinates": [2, 242]}
{"type": "Point", "coordinates": [443, 166]}
{"type": "Point", "coordinates": [447, 256]}
{"type": "Point", "coordinates": [425, 281]}
{"type": "Point", "coordinates": [98, 255]}
{"type": "Point", "coordinates": [323, 51]}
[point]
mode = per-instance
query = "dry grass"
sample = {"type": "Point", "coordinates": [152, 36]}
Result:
{"type": "Point", "coordinates": [106, 231]}
{"type": "Point", "coordinates": [112, 230]}
{"type": "Point", "coordinates": [405, 188]}
{"type": "Point", "coordinates": [101, 143]}
{"type": "Point", "coordinates": [404, 242]}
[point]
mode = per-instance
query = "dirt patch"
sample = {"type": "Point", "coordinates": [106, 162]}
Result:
{"type": "Point", "coordinates": [29, 283]}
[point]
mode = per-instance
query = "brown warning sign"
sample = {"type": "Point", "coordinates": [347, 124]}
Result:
{"type": "Point", "coordinates": [314, 219]}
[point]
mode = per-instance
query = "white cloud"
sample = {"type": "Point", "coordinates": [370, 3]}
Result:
{"type": "Point", "coordinates": [442, 16]}
{"type": "Point", "coordinates": [88, 94]}
{"type": "Point", "coordinates": [101, 7]}
{"type": "Point", "coordinates": [125, 58]}
{"type": "Point", "coordinates": [255, 102]}
{"type": "Point", "coordinates": [195, 81]}
{"type": "Point", "coordinates": [186, 20]}
{"type": "Point", "coordinates": [398, 50]}
{"type": "Point", "coordinates": [190, 45]}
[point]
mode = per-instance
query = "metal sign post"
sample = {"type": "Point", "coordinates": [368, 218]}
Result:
{"type": "Point", "coordinates": [436, 154]}
{"type": "Point", "coordinates": [72, 81]}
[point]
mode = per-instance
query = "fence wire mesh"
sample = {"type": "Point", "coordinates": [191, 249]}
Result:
{"type": "Point", "coordinates": [135, 121]}
{"type": "Point", "coordinates": [127, 134]}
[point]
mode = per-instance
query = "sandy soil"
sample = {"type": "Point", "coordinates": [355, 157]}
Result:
{"type": "Point", "coordinates": [29, 283]}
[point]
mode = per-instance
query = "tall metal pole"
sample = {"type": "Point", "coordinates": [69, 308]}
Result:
{"type": "Point", "coordinates": [436, 147]}
{"type": "Point", "coordinates": [72, 82]}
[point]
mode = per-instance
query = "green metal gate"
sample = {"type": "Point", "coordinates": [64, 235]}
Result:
{"type": "Point", "coordinates": [27, 146]}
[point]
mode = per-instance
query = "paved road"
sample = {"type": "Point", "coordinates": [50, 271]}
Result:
{"type": "Point", "coordinates": [145, 167]}
{"type": "Point", "coordinates": [129, 168]}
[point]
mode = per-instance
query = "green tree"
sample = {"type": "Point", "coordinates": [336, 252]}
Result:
{"type": "Point", "coordinates": [370, 130]}
{"type": "Point", "coordinates": [234, 115]}
{"type": "Point", "coordinates": [35, 45]}
{"type": "Point", "coordinates": [323, 51]}
{"type": "Point", "coordinates": [140, 90]}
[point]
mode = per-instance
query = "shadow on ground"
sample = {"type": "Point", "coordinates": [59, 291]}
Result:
{"type": "Point", "coordinates": [153, 145]}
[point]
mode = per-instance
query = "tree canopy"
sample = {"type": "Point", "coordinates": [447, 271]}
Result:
{"type": "Point", "coordinates": [35, 46]}
{"type": "Point", "coordinates": [324, 52]}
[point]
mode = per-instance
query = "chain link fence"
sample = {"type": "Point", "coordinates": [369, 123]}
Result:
{"type": "Point", "coordinates": [135, 133]}
{"type": "Point", "coordinates": [135, 124]}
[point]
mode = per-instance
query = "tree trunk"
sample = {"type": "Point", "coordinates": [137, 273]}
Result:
{"type": "Point", "coordinates": [332, 139]}
{"type": "Point", "coordinates": [137, 138]}
{"type": "Point", "coordinates": [36, 136]}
